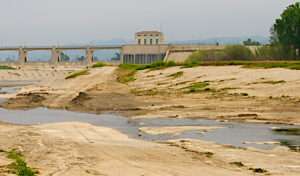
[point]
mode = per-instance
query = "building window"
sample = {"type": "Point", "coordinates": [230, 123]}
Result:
{"type": "Point", "coordinates": [139, 41]}
{"type": "Point", "coordinates": [145, 41]}
{"type": "Point", "coordinates": [151, 41]}
{"type": "Point", "coordinates": [157, 41]}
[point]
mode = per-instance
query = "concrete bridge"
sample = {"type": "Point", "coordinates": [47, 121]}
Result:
{"type": "Point", "coordinates": [130, 53]}
{"type": "Point", "coordinates": [57, 50]}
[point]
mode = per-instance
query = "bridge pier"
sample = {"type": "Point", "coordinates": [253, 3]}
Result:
{"type": "Point", "coordinates": [23, 57]}
{"type": "Point", "coordinates": [55, 55]}
{"type": "Point", "coordinates": [89, 54]}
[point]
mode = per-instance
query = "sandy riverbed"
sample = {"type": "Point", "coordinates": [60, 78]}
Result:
{"type": "Point", "coordinates": [234, 93]}
{"type": "Point", "coordinates": [82, 149]}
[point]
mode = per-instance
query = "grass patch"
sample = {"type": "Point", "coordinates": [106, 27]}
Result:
{"type": "Point", "coordinates": [155, 66]}
{"type": "Point", "coordinates": [197, 87]}
{"type": "Point", "coordinates": [99, 64]}
{"type": "Point", "coordinates": [19, 166]}
{"type": "Point", "coordinates": [5, 67]}
{"type": "Point", "coordinates": [158, 65]}
{"type": "Point", "coordinates": [176, 75]}
{"type": "Point", "coordinates": [294, 65]}
{"type": "Point", "coordinates": [77, 73]}
{"type": "Point", "coordinates": [190, 63]}
{"type": "Point", "coordinates": [126, 73]}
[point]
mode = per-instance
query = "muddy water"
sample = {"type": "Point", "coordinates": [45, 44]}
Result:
{"type": "Point", "coordinates": [236, 134]}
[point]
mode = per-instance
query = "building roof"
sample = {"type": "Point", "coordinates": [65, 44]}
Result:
{"type": "Point", "coordinates": [148, 32]}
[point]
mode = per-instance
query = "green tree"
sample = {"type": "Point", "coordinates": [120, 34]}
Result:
{"type": "Point", "coordinates": [64, 57]}
{"type": "Point", "coordinates": [250, 42]}
{"type": "Point", "coordinates": [286, 30]}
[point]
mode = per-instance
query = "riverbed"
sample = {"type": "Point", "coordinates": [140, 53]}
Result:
{"type": "Point", "coordinates": [229, 133]}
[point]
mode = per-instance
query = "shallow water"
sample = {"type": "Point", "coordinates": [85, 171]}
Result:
{"type": "Point", "coordinates": [8, 90]}
{"type": "Point", "coordinates": [232, 133]}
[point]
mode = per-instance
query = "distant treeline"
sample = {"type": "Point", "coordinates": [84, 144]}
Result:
{"type": "Point", "coordinates": [285, 42]}
{"type": "Point", "coordinates": [242, 52]}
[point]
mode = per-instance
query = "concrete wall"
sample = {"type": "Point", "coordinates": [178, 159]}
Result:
{"type": "Point", "coordinates": [147, 54]}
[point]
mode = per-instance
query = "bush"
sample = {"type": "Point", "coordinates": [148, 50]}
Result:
{"type": "Point", "coordinates": [19, 165]}
{"type": "Point", "coordinates": [158, 65]}
{"type": "Point", "coordinates": [99, 64]}
{"type": "Point", "coordinates": [274, 52]}
{"type": "Point", "coordinates": [193, 60]}
{"type": "Point", "coordinates": [238, 52]}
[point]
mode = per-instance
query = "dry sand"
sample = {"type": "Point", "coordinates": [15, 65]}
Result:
{"type": "Point", "coordinates": [76, 149]}
{"type": "Point", "coordinates": [175, 129]}
{"type": "Point", "coordinates": [71, 149]}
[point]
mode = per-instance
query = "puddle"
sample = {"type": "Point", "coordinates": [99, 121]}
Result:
{"type": "Point", "coordinates": [232, 133]}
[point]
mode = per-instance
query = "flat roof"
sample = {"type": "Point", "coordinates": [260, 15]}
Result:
{"type": "Point", "coordinates": [148, 32]}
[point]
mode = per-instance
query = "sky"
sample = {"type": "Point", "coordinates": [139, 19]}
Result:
{"type": "Point", "coordinates": [52, 22]}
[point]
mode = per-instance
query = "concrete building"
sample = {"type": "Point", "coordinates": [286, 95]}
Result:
{"type": "Point", "coordinates": [149, 48]}
{"type": "Point", "coordinates": [143, 54]}
{"type": "Point", "coordinates": [149, 38]}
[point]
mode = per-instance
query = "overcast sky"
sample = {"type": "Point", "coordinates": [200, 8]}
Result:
{"type": "Point", "coordinates": [33, 22]}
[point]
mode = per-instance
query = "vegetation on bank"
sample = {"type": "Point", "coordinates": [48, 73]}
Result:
{"type": "Point", "coordinates": [19, 165]}
{"type": "Point", "coordinates": [233, 52]}
{"type": "Point", "coordinates": [5, 67]}
{"type": "Point", "coordinates": [284, 45]}
{"type": "Point", "coordinates": [99, 64]}
{"type": "Point", "coordinates": [197, 87]}
{"type": "Point", "coordinates": [126, 72]}
{"type": "Point", "coordinates": [78, 73]}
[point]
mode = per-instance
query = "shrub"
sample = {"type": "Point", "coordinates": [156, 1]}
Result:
{"type": "Point", "coordinates": [19, 165]}
{"type": "Point", "coordinates": [99, 64]}
{"type": "Point", "coordinates": [234, 52]}
{"type": "Point", "coordinates": [193, 60]}
{"type": "Point", "coordinates": [238, 52]}
{"type": "Point", "coordinates": [274, 52]}
{"type": "Point", "coordinates": [158, 65]}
